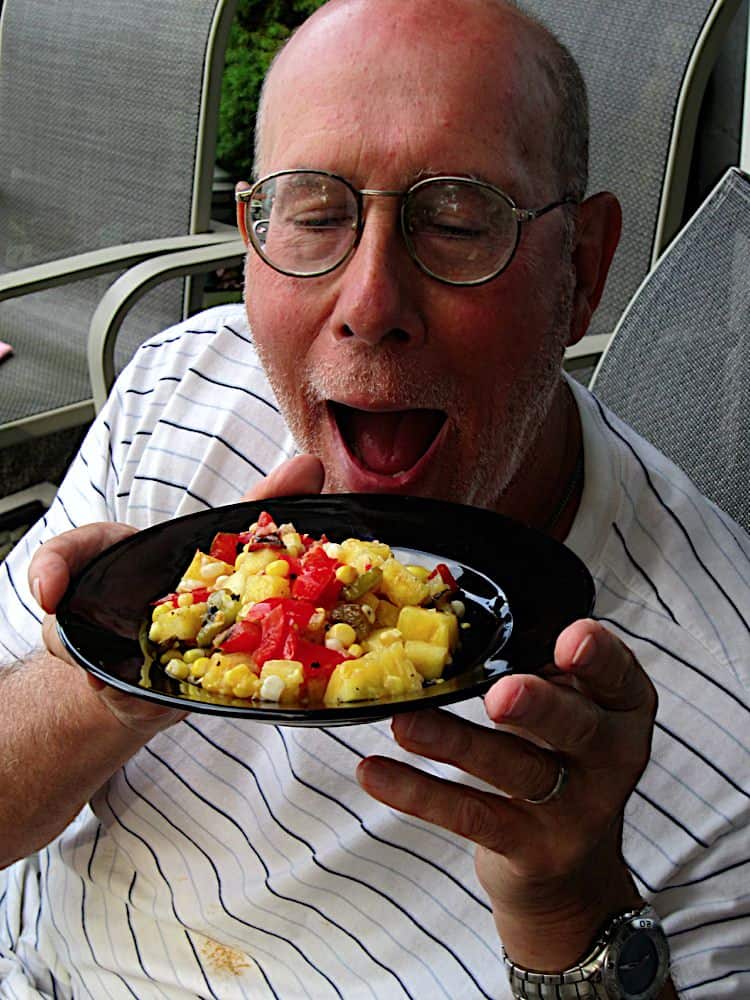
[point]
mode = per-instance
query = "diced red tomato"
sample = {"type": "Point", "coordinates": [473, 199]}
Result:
{"type": "Point", "coordinates": [274, 631]}
{"type": "Point", "coordinates": [295, 564]}
{"type": "Point", "coordinates": [318, 662]}
{"type": "Point", "coordinates": [243, 637]}
{"type": "Point", "coordinates": [317, 578]}
{"type": "Point", "coordinates": [298, 612]}
{"type": "Point", "coordinates": [224, 547]}
{"type": "Point", "coordinates": [314, 657]}
{"type": "Point", "coordinates": [265, 519]}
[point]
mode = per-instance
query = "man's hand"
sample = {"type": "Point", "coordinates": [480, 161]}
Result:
{"type": "Point", "coordinates": [53, 566]}
{"type": "Point", "coordinates": [301, 474]}
{"type": "Point", "coordinates": [553, 871]}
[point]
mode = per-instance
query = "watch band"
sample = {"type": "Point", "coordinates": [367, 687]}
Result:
{"type": "Point", "coordinates": [595, 976]}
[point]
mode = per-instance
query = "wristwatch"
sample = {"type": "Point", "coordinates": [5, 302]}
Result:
{"type": "Point", "coordinates": [629, 961]}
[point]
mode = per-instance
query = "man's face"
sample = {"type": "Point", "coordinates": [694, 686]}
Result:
{"type": "Point", "coordinates": [397, 382]}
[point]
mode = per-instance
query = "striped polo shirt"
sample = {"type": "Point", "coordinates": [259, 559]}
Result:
{"type": "Point", "coordinates": [233, 859]}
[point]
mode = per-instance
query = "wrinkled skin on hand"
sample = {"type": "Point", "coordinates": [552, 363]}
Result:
{"type": "Point", "coordinates": [553, 872]}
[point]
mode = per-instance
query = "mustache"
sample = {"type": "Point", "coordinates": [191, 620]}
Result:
{"type": "Point", "coordinates": [395, 381]}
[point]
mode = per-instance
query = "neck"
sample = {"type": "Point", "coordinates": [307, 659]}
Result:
{"type": "Point", "coordinates": [546, 491]}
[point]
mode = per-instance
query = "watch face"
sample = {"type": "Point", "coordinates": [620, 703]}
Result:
{"type": "Point", "coordinates": [637, 961]}
{"type": "Point", "coordinates": [638, 964]}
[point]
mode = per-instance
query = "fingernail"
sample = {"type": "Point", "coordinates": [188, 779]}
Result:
{"type": "Point", "coordinates": [518, 705]}
{"type": "Point", "coordinates": [36, 590]}
{"type": "Point", "coordinates": [585, 652]}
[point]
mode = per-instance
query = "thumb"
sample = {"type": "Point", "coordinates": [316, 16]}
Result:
{"type": "Point", "coordinates": [301, 474]}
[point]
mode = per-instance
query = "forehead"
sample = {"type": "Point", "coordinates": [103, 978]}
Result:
{"type": "Point", "coordinates": [386, 91]}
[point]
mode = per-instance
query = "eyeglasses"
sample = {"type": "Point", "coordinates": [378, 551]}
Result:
{"type": "Point", "coordinates": [305, 223]}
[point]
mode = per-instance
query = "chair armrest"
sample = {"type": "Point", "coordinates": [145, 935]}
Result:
{"type": "Point", "coordinates": [586, 352]}
{"type": "Point", "coordinates": [87, 265]}
{"type": "Point", "coordinates": [123, 293]}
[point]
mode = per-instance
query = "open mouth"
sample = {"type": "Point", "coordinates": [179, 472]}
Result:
{"type": "Point", "coordinates": [390, 442]}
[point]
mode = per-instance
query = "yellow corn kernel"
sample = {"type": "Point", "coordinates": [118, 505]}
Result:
{"type": "Point", "coordinates": [237, 676]}
{"type": "Point", "coordinates": [246, 688]}
{"type": "Point", "coordinates": [355, 650]}
{"type": "Point", "coordinates": [346, 575]}
{"type": "Point", "coordinates": [420, 572]}
{"type": "Point", "coordinates": [184, 600]}
{"type": "Point", "coordinates": [279, 567]}
{"type": "Point", "coordinates": [171, 654]}
{"type": "Point", "coordinates": [191, 655]}
{"type": "Point", "coordinates": [161, 609]}
{"type": "Point", "coordinates": [199, 667]}
{"type": "Point", "coordinates": [178, 669]}
{"type": "Point", "coordinates": [342, 633]}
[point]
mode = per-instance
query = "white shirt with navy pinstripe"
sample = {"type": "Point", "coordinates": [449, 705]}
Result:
{"type": "Point", "coordinates": [237, 860]}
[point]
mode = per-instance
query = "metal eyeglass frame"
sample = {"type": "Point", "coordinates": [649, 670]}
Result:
{"type": "Point", "coordinates": [521, 215]}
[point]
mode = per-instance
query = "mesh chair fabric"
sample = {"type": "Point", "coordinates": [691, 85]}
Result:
{"type": "Point", "coordinates": [633, 55]}
{"type": "Point", "coordinates": [99, 114]}
{"type": "Point", "coordinates": [678, 367]}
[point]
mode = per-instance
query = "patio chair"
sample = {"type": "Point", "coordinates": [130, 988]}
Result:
{"type": "Point", "coordinates": [646, 68]}
{"type": "Point", "coordinates": [108, 116]}
{"type": "Point", "coordinates": [678, 366]}
{"type": "Point", "coordinates": [646, 65]}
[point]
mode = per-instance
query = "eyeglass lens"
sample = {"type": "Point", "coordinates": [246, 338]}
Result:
{"type": "Point", "coordinates": [307, 223]}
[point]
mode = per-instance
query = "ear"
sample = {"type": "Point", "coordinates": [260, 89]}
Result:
{"type": "Point", "coordinates": [597, 235]}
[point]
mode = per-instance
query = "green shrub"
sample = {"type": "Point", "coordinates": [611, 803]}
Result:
{"type": "Point", "coordinates": [259, 28]}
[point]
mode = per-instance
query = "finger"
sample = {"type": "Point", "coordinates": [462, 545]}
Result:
{"type": "Point", "coordinates": [482, 817]}
{"type": "Point", "coordinates": [612, 676]}
{"type": "Point", "coordinates": [513, 765]}
{"type": "Point", "coordinates": [301, 474]}
{"type": "Point", "coordinates": [59, 559]}
{"type": "Point", "coordinates": [52, 640]}
{"type": "Point", "coordinates": [553, 714]}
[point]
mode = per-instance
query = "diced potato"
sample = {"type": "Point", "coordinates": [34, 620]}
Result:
{"type": "Point", "coordinates": [177, 623]}
{"type": "Point", "coordinates": [221, 665]}
{"type": "Point", "coordinates": [421, 572]}
{"type": "Point", "coordinates": [384, 671]}
{"type": "Point", "coordinates": [293, 543]}
{"type": "Point", "coordinates": [252, 563]}
{"type": "Point", "coordinates": [400, 586]}
{"type": "Point", "coordinates": [203, 571]}
{"type": "Point", "coordinates": [429, 625]}
{"type": "Point", "coordinates": [260, 588]}
{"type": "Point", "coordinates": [234, 583]}
{"type": "Point", "coordinates": [290, 672]}
{"type": "Point", "coordinates": [361, 555]}
{"type": "Point", "coordinates": [429, 658]}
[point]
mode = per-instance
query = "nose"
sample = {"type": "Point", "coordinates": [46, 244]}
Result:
{"type": "Point", "coordinates": [378, 296]}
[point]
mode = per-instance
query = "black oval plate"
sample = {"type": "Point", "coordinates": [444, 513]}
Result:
{"type": "Point", "coordinates": [520, 587]}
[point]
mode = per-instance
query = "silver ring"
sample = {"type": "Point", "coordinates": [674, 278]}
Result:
{"type": "Point", "coordinates": [562, 777]}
